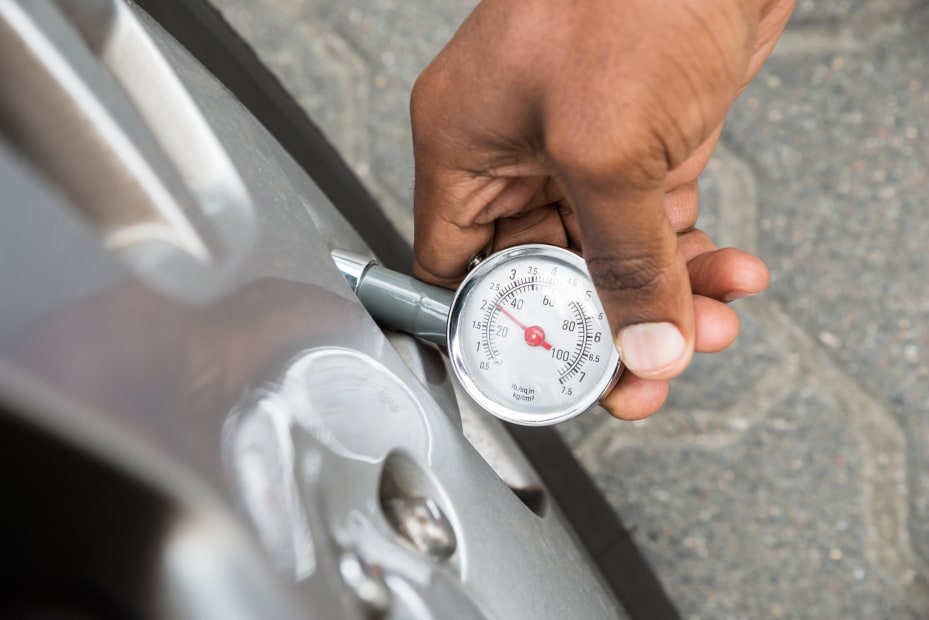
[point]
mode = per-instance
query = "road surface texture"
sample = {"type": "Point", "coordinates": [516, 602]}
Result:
{"type": "Point", "coordinates": [789, 476]}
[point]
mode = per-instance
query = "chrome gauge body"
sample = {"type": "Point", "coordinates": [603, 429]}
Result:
{"type": "Point", "coordinates": [528, 337]}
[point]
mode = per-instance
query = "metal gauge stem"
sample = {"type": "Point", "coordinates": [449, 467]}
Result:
{"type": "Point", "coordinates": [526, 333]}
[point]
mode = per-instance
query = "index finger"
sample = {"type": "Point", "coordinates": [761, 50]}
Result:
{"type": "Point", "coordinates": [456, 214]}
{"type": "Point", "coordinates": [446, 236]}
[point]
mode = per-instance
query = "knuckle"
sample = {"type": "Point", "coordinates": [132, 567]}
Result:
{"type": "Point", "coordinates": [419, 94]}
{"type": "Point", "coordinates": [448, 278]}
{"type": "Point", "coordinates": [420, 99]}
{"type": "Point", "coordinates": [634, 159]}
{"type": "Point", "coordinates": [427, 98]}
{"type": "Point", "coordinates": [627, 274]}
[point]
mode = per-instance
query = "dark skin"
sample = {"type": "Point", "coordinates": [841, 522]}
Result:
{"type": "Point", "coordinates": [586, 125]}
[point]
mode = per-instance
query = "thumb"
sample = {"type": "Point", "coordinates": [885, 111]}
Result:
{"type": "Point", "coordinates": [641, 276]}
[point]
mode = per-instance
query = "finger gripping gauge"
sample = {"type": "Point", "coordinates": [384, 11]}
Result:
{"type": "Point", "coordinates": [526, 333]}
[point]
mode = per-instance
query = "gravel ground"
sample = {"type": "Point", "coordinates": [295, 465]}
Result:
{"type": "Point", "coordinates": [789, 476]}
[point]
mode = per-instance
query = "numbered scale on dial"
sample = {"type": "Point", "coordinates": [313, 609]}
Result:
{"type": "Point", "coordinates": [528, 336]}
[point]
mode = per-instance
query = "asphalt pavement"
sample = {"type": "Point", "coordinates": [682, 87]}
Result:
{"type": "Point", "coordinates": [787, 477]}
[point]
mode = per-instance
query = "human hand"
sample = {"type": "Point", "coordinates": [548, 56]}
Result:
{"type": "Point", "coordinates": [586, 125]}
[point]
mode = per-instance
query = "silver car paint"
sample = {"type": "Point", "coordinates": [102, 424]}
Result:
{"type": "Point", "coordinates": [210, 350]}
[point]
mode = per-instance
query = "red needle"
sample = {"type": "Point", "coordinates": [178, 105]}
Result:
{"type": "Point", "coordinates": [535, 335]}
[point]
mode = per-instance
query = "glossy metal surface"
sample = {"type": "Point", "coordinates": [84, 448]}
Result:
{"type": "Point", "coordinates": [423, 524]}
{"type": "Point", "coordinates": [353, 266]}
{"type": "Point", "coordinates": [209, 434]}
{"type": "Point", "coordinates": [395, 300]}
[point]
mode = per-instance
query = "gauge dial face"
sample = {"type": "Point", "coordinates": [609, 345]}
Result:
{"type": "Point", "coordinates": [528, 336]}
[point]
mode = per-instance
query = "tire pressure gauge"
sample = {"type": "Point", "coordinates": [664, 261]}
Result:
{"type": "Point", "coordinates": [526, 333]}
{"type": "Point", "coordinates": [528, 337]}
